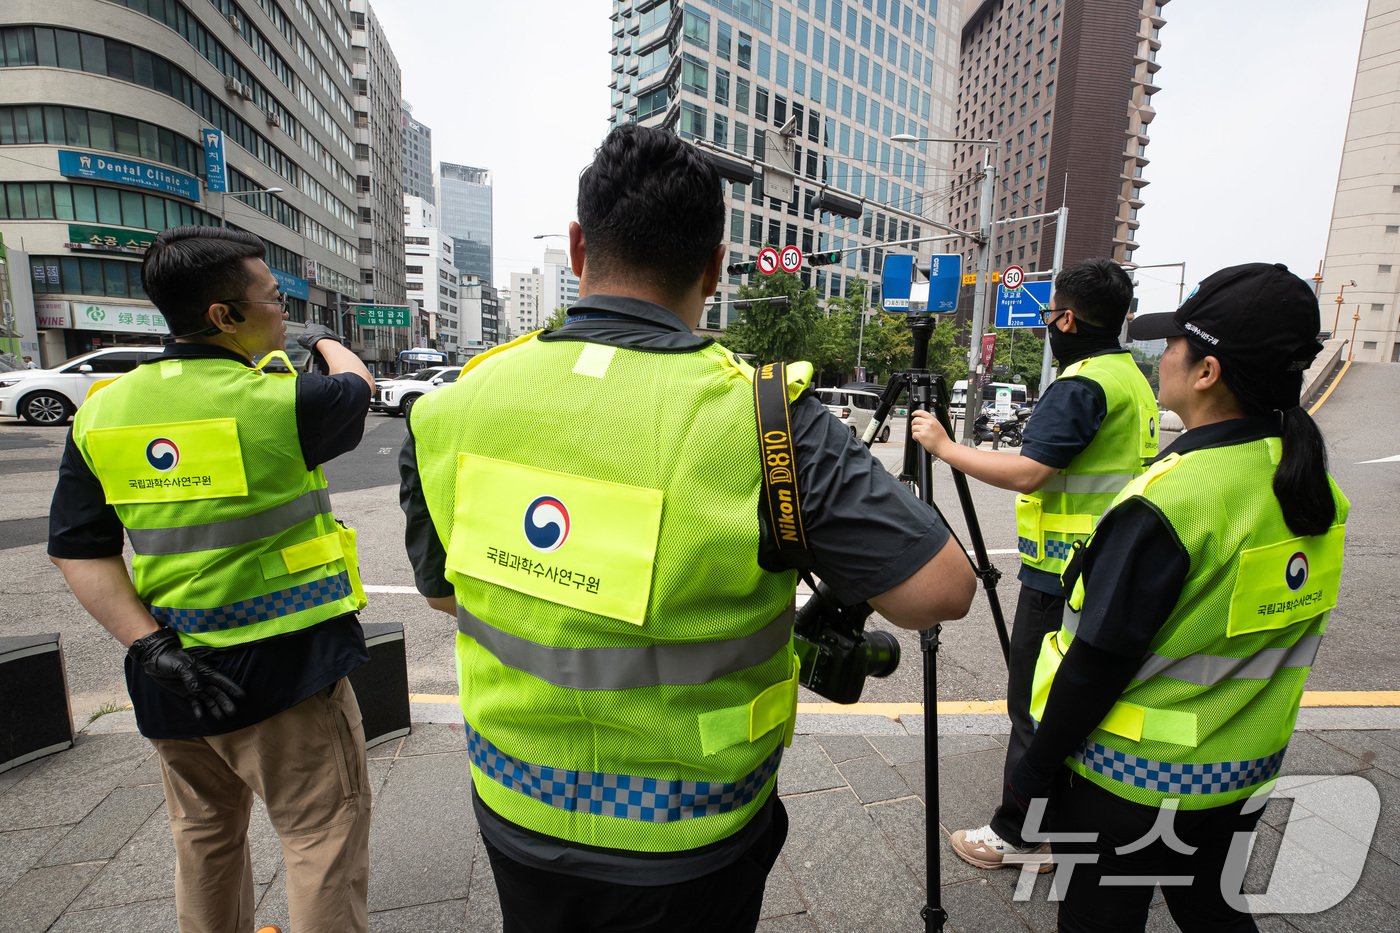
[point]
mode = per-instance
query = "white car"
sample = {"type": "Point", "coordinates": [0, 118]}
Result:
{"type": "Point", "coordinates": [853, 408]}
{"type": "Point", "coordinates": [397, 396]}
{"type": "Point", "coordinates": [50, 396]}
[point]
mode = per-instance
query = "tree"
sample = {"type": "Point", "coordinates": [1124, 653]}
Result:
{"type": "Point", "coordinates": [888, 346]}
{"type": "Point", "coordinates": [556, 318]}
{"type": "Point", "coordinates": [772, 330]}
{"type": "Point", "coordinates": [947, 349]}
{"type": "Point", "coordinates": [833, 347]}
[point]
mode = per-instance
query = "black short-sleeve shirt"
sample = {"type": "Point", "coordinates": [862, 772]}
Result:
{"type": "Point", "coordinates": [277, 673]}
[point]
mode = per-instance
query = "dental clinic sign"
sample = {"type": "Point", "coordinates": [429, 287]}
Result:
{"type": "Point", "coordinates": [128, 319]}
{"type": "Point", "coordinates": [127, 172]}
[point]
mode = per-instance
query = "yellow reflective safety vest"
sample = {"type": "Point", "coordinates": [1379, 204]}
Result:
{"type": "Point", "coordinates": [1051, 520]}
{"type": "Point", "coordinates": [233, 538]}
{"type": "Point", "coordinates": [626, 667]}
{"type": "Point", "coordinates": [1208, 716]}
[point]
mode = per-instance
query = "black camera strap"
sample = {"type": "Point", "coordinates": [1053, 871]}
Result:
{"type": "Point", "coordinates": [779, 466]}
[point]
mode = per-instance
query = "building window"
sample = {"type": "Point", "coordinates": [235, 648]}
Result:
{"type": "Point", "coordinates": [1368, 344]}
{"type": "Point", "coordinates": [1377, 306]}
{"type": "Point", "coordinates": [1389, 228]}
{"type": "Point", "coordinates": [1383, 269]}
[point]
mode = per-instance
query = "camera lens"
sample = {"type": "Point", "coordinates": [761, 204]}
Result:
{"type": "Point", "coordinates": [881, 652]}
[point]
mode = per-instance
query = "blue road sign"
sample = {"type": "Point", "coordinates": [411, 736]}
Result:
{"type": "Point", "coordinates": [1021, 307]}
{"type": "Point", "coordinates": [216, 179]}
{"type": "Point", "coordinates": [897, 276]}
{"type": "Point", "coordinates": [944, 280]}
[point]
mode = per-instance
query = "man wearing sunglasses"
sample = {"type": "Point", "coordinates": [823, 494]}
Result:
{"type": "Point", "coordinates": [1094, 429]}
{"type": "Point", "coordinates": [239, 612]}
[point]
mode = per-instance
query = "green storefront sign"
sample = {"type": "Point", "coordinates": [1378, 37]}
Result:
{"type": "Point", "coordinates": [109, 239]}
{"type": "Point", "coordinates": [383, 315]}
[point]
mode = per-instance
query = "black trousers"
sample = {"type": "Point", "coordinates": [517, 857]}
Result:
{"type": "Point", "coordinates": [726, 901]}
{"type": "Point", "coordinates": [1089, 906]}
{"type": "Point", "coordinates": [1037, 615]}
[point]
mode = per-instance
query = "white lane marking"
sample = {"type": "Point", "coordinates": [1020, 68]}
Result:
{"type": "Point", "coordinates": [1394, 459]}
{"type": "Point", "coordinates": [398, 590]}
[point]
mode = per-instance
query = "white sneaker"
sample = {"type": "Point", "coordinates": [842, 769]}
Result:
{"type": "Point", "coordinates": [985, 849]}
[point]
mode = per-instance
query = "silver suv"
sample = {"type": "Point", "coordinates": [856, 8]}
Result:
{"type": "Point", "coordinates": [854, 408]}
{"type": "Point", "coordinates": [50, 396]}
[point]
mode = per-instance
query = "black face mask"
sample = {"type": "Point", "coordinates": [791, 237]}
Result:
{"type": "Point", "coordinates": [1087, 339]}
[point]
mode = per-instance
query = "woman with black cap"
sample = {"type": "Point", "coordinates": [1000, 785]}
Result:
{"type": "Point", "coordinates": [1166, 702]}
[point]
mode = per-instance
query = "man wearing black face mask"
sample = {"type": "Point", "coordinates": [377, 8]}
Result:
{"type": "Point", "coordinates": [1094, 430]}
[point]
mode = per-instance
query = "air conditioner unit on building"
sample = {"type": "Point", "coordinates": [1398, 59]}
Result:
{"type": "Point", "coordinates": [247, 91]}
{"type": "Point", "coordinates": [233, 84]}
{"type": "Point", "coordinates": [271, 117]}
{"type": "Point", "coordinates": [233, 20]}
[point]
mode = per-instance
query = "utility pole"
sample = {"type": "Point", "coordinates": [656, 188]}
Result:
{"type": "Point", "coordinates": [1056, 267]}
{"type": "Point", "coordinates": [979, 295]}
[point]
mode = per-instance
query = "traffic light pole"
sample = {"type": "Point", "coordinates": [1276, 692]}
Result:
{"type": "Point", "coordinates": [1057, 266]}
{"type": "Point", "coordinates": [979, 296]}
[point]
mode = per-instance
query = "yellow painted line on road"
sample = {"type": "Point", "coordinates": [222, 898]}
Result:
{"type": "Point", "coordinates": [998, 707]}
{"type": "Point", "coordinates": [1330, 389]}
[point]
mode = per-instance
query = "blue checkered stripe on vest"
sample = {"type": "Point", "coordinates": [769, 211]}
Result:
{"type": "Point", "coordinates": [1057, 549]}
{"type": "Point", "coordinates": [1027, 547]}
{"type": "Point", "coordinates": [1216, 777]}
{"type": "Point", "coordinates": [258, 609]}
{"type": "Point", "coordinates": [649, 800]}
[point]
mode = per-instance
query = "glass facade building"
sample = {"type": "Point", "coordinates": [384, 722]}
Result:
{"type": "Point", "coordinates": [464, 210]}
{"type": "Point", "coordinates": [815, 88]}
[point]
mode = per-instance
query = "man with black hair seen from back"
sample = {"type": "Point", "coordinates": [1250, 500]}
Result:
{"type": "Point", "coordinates": [240, 621]}
{"type": "Point", "coordinates": [1094, 429]}
{"type": "Point", "coordinates": [586, 502]}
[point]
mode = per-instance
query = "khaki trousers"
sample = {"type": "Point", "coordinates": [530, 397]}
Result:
{"type": "Point", "coordinates": [308, 764]}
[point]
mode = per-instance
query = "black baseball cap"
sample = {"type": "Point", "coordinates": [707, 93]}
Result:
{"type": "Point", "coordinates": [1258, 315]}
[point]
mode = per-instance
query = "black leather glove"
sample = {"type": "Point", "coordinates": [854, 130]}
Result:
{"type": "Point", "coordinates": [165, 662]}
{"type": "Point", "coordinates": [315, 333]}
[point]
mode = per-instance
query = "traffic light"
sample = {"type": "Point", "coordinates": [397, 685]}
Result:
{"type": "Point", "coordinates": [829, 258]}
{"type": "Point", "coordinates": [741, 268]}
{"type": "Point", "coordinates": [831, 202]}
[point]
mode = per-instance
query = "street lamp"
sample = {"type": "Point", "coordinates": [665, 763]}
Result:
{"type": "Point", "coordinates": [223, 202]}
{"type": "Point", "coordinates": [1340, 292]}
{"type": "Point", "coordinates": [983, 240]}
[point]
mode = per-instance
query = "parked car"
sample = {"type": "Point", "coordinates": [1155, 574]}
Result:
{"type": "Point", "coordinates": [51, 396]}
{"type": "Point", "coordinates": [396, 397]}
{"type": "Point", "coordinates": [854, 408]}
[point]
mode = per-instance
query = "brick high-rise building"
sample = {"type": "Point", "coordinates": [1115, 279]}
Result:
{"type": "Point", "coordinates": [1066, 87]}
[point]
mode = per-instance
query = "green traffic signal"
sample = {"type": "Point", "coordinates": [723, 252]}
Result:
{"type": "Point", "coordinates": [829, 258]}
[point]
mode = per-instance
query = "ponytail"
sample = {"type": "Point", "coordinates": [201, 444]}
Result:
{"type": "Point", "coordinates": [1300, 482]}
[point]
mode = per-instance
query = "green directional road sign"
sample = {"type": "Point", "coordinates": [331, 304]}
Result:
{"type": "Point", "coordinates": [383, 315]}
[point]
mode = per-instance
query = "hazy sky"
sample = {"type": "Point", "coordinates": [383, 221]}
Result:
{"type": "Point", "coordinates": [1244, 153]}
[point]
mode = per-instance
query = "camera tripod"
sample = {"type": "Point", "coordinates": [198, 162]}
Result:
{"type": "Point", "coordinates": [929, 392]}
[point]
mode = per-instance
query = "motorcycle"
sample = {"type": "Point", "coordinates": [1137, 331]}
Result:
{"type": "Point", "coordinates": [983, 429]}
{"type": "Point", "coordinates": [1010, 429]}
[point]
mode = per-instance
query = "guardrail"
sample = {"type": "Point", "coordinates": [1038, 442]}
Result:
{"type": "Point", "coordinates": [1318, 375]}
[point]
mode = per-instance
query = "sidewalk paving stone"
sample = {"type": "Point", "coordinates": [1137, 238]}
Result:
{"type": "Point", "coordinates": [422, 833]}
{"type": "Point", "coordinates": [872, 779]}
{"type": "Point", "coordinates": [41, 895]}
{"type": "Point", "coordinates": [806, 767]}
{"type": "Point", "coordinates": [156, 916]}
{"type": "Point", "coordinates": [110, 825]}
{"type": "Point", "coordinates": [64, 788]}
{"type": "Point", "coordinates": [20, 849]}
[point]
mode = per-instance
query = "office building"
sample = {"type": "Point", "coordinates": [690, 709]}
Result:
{"type": "Point", "coordinates": [1065, 87]}
{"type": "Point", "coordinates": [378, 179]}
{"type": "Point", "coordinates": [119, 119]}
{"type": "Point", "coordinates": [417, 158]}
{"type": "Point", "coordinates": [431, 278]}
{"type": "Point", "coordinates": [1363, 244]}
{"type": "Point", "coordinates": [464, 202]}
{"type": "Point", "coordinates": [524, 312]}
{"type": "Point", "coordinates": [813, 89]}
{"type": "Point", "coordinates": [560, 285]}
{"type": "Point", "coordinates": [482, 327]}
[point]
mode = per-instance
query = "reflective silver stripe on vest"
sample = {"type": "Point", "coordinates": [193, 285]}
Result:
{"type": "Point", "coordinates": [1088, 483]}
{"type": "Point", "coordinates": [625, 668]}
{"type": "Point", "coordinates": [1207, 670]}
{"type": "Point", "coordinates": [231, 533]}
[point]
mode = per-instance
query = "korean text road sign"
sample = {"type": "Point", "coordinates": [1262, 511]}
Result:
{"type": "Point", "coordinates": [791, 259]}
{"type": "Point", "coordinates": [768, 260]}
{"type": "Point", "coordinates": [1021, 307]}
{"type": "Point", "coordinates": [382, 315]}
